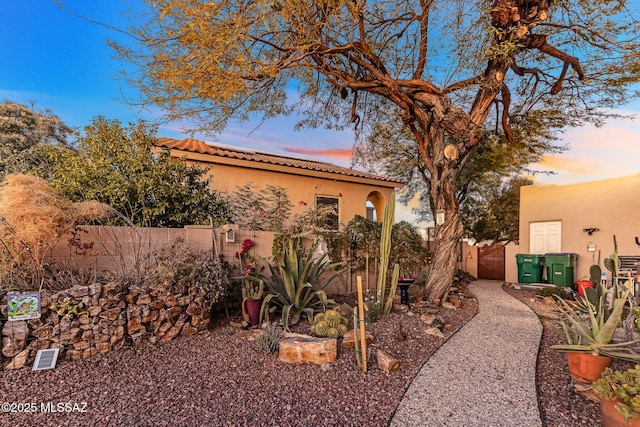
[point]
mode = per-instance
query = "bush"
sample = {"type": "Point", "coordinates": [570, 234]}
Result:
{"type": "Point", "coordinates": [180, 267]}
{"type": "Point", "coordinates": [554, 290]}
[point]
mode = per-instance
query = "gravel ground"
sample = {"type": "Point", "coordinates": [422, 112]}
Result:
{"type": "Point", "coordinates": [491, 360]}
{"type": "Point", "coordinates": [560, 404]}
{"type": "Point", "coordinates": [217, 378]}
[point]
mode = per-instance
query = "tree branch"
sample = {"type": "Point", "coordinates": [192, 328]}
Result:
{"type": "Point", "coordinates": [424, 32]}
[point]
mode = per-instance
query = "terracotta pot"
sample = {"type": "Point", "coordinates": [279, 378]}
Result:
{"type": "Point", "coordinates": [611, 417]}
{"type": "Point", "coordinates": [252, 307]}
{"type": "Point", "coordinates": [586, 367]}
{"type": "Point", "coordinates": [455, 302]}
{"type": "Point", "coordinates": [436, 302]}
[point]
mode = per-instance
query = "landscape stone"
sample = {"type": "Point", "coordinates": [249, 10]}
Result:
{"type": "Point", "coordinates": [171, 333]}
{"type": "Point", "coordinates": [70, 334]}
{"type": "Point", "coordinates": [348, 343]}
{"type": "Point", "coordinates": [435, 332]}
{"type": "Point", "coordinates": [95, 289]}
{"type": "Point", "coordinates": [73, 355]}
{"type": "Point", "coordinates": [386, 362]}
{"type": "Point", "coordinates": [133, 325]}
{"type": "Point", "coordinates": [131, 298]}
{"type": "Point", "coordinates": [308, 350]}
{"type": "Point", "coordinates": [400, 308]}
{"type": "Point", "coordinates": [17, 329]}
{"type": "Point", "coordinates": [80, 344]}
{"type": "Point", "coordinates": [103, 347]}
{"type": "Point", "coordinates": [144, 299]}
{"type": "Point", "coordinates": [89, 352]}
{"type": "Point", "coordinates": [187, 330]}
{"type": "Point", "coordinates": [11, 346]}
{"type": "Point", "coordinates": [111, 314]}
{"type": "Point", "coordinates": [19, 360]}
{"type": "Point", "coordinates": [77, 291]}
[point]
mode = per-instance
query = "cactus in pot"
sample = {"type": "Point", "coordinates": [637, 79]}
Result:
{"type": "Point", "coordinates": [252, 291]}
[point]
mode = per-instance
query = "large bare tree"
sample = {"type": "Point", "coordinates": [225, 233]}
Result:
{"type": "Point", "coordinates": [446, 69]}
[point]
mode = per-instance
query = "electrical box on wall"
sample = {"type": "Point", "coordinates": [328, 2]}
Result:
{"type": "Point", "coordinates": [591, 247]}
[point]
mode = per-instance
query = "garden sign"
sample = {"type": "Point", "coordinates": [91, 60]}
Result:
{"type": "Point", "coordinates": [23, 306]}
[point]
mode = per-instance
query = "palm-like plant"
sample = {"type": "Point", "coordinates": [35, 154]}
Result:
{"type": "Point", "coordinates": [294, 274]}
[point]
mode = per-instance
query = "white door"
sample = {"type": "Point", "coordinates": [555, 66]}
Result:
{"type": "Point", "coordinates": [545, 237]}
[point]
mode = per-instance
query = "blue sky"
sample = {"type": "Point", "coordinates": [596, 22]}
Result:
{"type": "Point", "coordinates": [62, 63]}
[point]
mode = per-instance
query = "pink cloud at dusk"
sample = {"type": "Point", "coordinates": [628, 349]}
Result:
{"type": "Point", "coordinates": [573, 165]}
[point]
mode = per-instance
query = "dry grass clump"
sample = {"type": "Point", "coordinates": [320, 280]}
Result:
{"type": "Point", "coordinates": [32, 220]}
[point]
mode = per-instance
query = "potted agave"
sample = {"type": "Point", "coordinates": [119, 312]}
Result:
{"type": "Point", "coordinates": [619, 393]}
{"type": "Point", "coordinates": [589, 329]}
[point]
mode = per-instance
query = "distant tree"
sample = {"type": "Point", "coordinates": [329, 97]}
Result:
{"type": "Point", "coordinates": [407, 249]}
{"type": "Point", "coordinates": [448, 70]}
{"type": "Point", "coordinates": [120, 167]}
{"type": "Point", "coordinates": [493, 214]}
{"type": "Point", "coordinates": [23, 131]}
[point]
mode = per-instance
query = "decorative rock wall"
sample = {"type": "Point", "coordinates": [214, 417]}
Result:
{"type": "Point", "coordinates": [86, 320]}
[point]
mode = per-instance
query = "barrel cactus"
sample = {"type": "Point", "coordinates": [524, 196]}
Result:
{"type": "Point", "coordinates": [329, 324]}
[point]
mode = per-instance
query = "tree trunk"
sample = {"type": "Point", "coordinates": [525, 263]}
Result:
{"type": "Point", "coordinates": [447, 234]}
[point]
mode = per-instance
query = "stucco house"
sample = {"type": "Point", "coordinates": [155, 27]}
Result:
{"type": "Point", "coordinates": [581, 219]}
{"type": "Point", "coordinates": [308, 182]}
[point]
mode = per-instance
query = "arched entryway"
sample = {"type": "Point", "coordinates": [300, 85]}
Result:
{"type": "Point", "coordinates": [375, 206]}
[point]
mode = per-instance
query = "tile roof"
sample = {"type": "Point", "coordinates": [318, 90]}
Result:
{"type": "Point", "coordinates": [196, 146]}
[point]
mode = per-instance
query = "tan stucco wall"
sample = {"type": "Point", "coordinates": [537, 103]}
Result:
{"type": "Point", "coordinates": [302, 185]}
{"type": "Point", "coordinates": [469, 262]}
{"type": "Point", "coordinates": [510, 266]}
{"type": "Point", "coordinates": [612, 205]}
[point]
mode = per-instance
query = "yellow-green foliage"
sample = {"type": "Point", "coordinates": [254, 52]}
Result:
{"type": "Point", "coordinates": [329, 324]}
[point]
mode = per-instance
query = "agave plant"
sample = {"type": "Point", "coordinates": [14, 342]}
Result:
{"type": "Point", "coordinates": [295, 283]}
{"type": "Point", "coordinates": [591, 327]}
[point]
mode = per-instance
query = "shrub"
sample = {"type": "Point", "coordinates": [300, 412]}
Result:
{"type": "Point", "coordinates": [180, 267]}
{"type": "Point", "coordinates": [554, 290]}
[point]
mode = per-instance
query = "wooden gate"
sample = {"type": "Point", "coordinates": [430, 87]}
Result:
{"type": "Point", "coordinates": [491, 262]}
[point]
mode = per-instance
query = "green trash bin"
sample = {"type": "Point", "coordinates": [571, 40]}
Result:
{"type": "Point", "coordinates": [530, 267]}
{"type": "Point", "coordinates": [561, 268]}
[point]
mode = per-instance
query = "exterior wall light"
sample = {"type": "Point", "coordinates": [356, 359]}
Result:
{"type": "Point", "coordinates": [440, 216]}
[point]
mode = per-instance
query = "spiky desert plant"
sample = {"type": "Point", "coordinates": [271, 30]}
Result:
{"type": "Point", "coordinates": [269, 341]}
{"type": "Point", "coordinates": [594, 331]}
{"type": "Point", "coordinates": [294, 275]}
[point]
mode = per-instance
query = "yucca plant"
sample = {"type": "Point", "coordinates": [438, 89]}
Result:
{"type": "Point", "coordinates": [294, 275]}
{"type": "Point", "coordinates": [590, 327]}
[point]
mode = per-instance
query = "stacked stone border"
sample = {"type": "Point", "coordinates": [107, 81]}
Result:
{"type": "Point", "coordinates": [86, 320]}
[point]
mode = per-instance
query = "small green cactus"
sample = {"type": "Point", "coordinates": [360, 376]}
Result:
{"type": "Point", "coordinates": [595, 273]}
{"type": "Point", "coordinates": [251, 291]}
{"type": "Point", "coordinates": [333, 333]}
{"type": "Point", "coordinates": [329, 324]}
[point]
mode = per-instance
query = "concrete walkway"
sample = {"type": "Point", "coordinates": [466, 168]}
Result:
{"type": "Point", "coordinates": [484, 375]}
